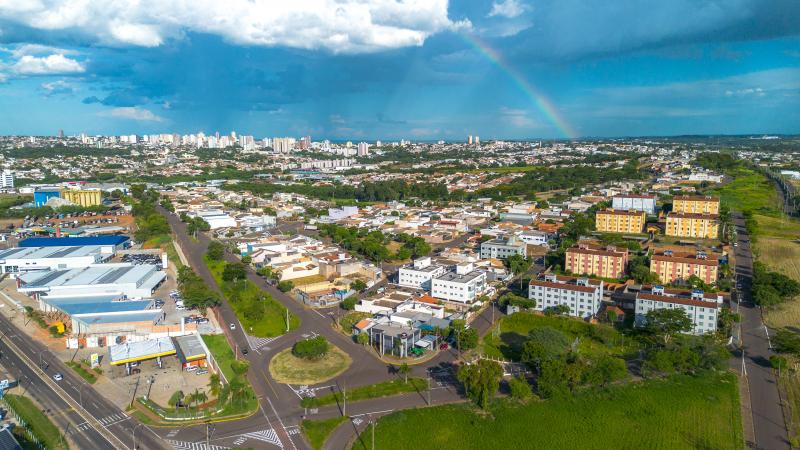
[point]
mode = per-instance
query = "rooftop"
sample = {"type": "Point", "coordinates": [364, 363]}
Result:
{"type": "Point", "coordinates": [137, 351]}
{"type": "Point", "coordinates": [455, 277]}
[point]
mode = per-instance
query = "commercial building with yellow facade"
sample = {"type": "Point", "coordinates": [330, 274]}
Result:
{"type": "Point", "coordinates": [619, 221]}
{"type": "Point", "coordinates": [88, 197]}
{"type": "Point", "coordinates": [695, 204]}
{"type": "Point", "coordinates": [673, 267]}
{"type": "Point", "coordinates": [700, 226]}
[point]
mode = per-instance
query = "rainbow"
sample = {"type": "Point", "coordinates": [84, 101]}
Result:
{"type": "Point", "coordinates": [542, 103]}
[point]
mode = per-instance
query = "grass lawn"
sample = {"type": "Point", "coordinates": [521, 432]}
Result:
{"type": "Point", "coordinates": [679, 413]}
{"type": "Point", "coordinates": [749, 191]}
{"type": "Point", "coordinates": [317, 431]}
{"type": "Point", "coordinates": [39, 424]}
{"type": "Point", "coordinates": [311, 279]}
{"type": "Point", "coordinates": [221, 351]}
{"type": "Point", "coordinates": [241, 293]}
{"type": "Point", "coordinates": [383, 389]}
{"type": "Point", "coordinates": [347, 321]}
{"type": "Point", "coordinates": [287, 368]}
{"type": "Point", "coordinates": [514, 330]}
{"type": "Point", "coordinates": [172, 254]}
{"type": "Point", "coordinates": [789, 383]}
{"type": "Point", "coordinates": [90, 377]}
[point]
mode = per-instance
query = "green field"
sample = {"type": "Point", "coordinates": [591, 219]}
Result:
{"type": "Point", "coordinates": [39, 424]}
{"type": "Point", "coordinates": [383, 389]}
{"type": "Point", "coordinates": [317, 431]}
{"type": "Point", "coordinates": [514, 329]}
{"type": "Point", "coordinates": [241, 293]}
{"type": "Point", "coordinates": [680, 413]}
{"type": "Point", "coordinates": [222, 352]}
{"type": "Point", "coordinates": [749, 191]}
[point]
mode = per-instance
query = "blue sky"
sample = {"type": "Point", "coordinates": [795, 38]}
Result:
{"type": "Point", "coordinates": [382, 69]}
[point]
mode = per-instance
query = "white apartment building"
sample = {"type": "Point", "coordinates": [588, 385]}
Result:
{"type": "Point", "coordinates": [462, 286]}
{"type": "Point", "coordinates": [534, 237]}
{"type": "Point", "coordinates": [6, 179]}
{"type": "Point", "coordinates": [503, 248]}
{"type": "Point", "coordinates": [420, 274]}
{"type": "Point", "coordinates": [646, 203]}
{"type": "Point", "coordinates": [702, 308]}
{"type": "Point", "coordinates": [582, 295]}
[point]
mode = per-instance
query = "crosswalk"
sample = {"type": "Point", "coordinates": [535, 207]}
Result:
{"type": "Point", "coordinates": [181, 445]}
{"type": "Point", "coordinates": [112, 419]}
{"type": "Point", "coordinates": [256, 343]}
{"type": "Point", "coordinates": [269, 436]}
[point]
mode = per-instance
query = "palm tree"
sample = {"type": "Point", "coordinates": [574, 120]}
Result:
{"type": "Point", "coordinates": [214, 385]}
{"type": "Point", "coordinates": [404, 370]}
{"type": "Point", "coordinates": [201, 397]}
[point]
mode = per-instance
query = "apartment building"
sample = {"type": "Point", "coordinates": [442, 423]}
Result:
{"type": "Point", "coordinates": [620, 221]}
{"type": "Point", "coordinates": [582, 295]}
{"type": "Point", "coordinates": [462, 286]}
{"type": "Point", "coordinates": [702, 308]}
{"type": "Point", "coordinates": [503, 248]}
{"type": "Point", "coordinates": [692, 225]}
{"type": "Point", "coordinates": [674, 267]}
{"type": "Point", "coordinates": [420, 273]}
{"type": "Point", "coordinates": [644, 203]}
{"type": "Point", "coordinates": [695, 204]}
{"type": "Point", "coordinates": [589, 259]}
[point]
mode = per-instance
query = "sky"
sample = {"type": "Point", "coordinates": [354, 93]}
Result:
{"type": "Point", "coordinates": [413, 69]}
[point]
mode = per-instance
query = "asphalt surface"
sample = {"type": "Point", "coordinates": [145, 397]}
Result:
{"type": "Point", "coordinates": [101, 426]}
{"type": "Point", "coordinates": [768, 422]}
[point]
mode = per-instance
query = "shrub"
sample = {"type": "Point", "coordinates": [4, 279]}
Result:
{"type": "Point", "coordinates": [520, 389]}
{"type": "Point", "coordinates": [285, 286]}
{"type": "Point", "coordinates": [314, 348]}
{"type": "Point", "coordinates": [349, 303]}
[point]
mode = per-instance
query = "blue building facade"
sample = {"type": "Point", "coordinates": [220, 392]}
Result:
{"type": "Point", "coordinates": [41, 197]}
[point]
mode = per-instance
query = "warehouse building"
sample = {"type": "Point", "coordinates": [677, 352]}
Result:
{"type": "Point", "coordinates": [18, 260]}
{"type": "Point", "coordinates": [119, 242]}
{"type": "Point", "coordinates": [132, 281]}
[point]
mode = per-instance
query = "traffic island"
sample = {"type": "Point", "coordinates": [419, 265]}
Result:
{"type": "Point", "coordinates": [287, 368]}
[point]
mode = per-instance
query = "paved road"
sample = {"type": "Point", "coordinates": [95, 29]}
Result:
{"type": "Point", "coordinates": [102, 426]}
{"type": "Point", "coordinates": [770, 428]}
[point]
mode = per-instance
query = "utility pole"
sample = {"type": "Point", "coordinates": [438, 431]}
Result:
{"type": "Point", "coordinates": [344, 399]}
{"type": "Point", "coordinates": [429, 390]}
{"type": "Point", "coordinates": [287, 320]}
{"type": "Point", "coordinates": [372, 421]}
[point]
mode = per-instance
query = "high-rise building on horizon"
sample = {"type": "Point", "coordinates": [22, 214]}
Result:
{"type": "Point", "coordinates": [469, 141]}
{"type": "Point", "coordinates": [7, 179]}
{"type": "Point", "coordinates": [363, 149]}
{"type": "Point", "coordinates": [283, 145]}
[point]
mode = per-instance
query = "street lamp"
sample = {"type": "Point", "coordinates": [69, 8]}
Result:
{"type": "Point", "coordinates": [133, 434]}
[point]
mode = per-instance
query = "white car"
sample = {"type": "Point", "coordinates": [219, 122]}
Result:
{"type": "Point", "coordinates": [233, 326]}
{"type": "Point", "coordinates": [58, 377]}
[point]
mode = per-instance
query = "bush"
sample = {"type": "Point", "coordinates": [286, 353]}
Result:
{"type": "Point", "coordinates": [285, 286]}
{"type": "Point", "coordinates": [314, 348]}
{"type": "Point", "coordinates": [216, 251]}
{"type": "Point", "coordinates": [349, 303]}
{"type": "Point", "coordinates": [520, 389]}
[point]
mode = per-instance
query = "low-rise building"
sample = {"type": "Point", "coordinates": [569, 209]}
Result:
{"type": "Point", "coordinates": [129, 280]}
{"type": "Point", "coordinates": [620, 221]}
{"type": "Point", "coordinates": [692, 225]}
{"type": "Point", "coordinates": [589, 259]}
{"type": "Point", "coordinates": [420, 273]}
{"type": "Point", "coordinates": [18, 260]}
{"type": "Point", "coordinates": [702, 308]}
{"type": "Point", "coordinates": [503, 248]}
{"type": "Point", "coordinates": [583, 296]}
{"type": "Point", "coordinates": [673, 267]}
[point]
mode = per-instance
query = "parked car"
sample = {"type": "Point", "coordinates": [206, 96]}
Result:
{"type": "Point", "coordinates": [201, 372]}
{"type": "Point", "coordinates": [233, 326]}
{"type": "Point", "coordinates": [444, 346]}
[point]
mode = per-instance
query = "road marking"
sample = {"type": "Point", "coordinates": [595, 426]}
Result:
{"type": "Point", "coordinates": [181, 445]}
{"type": "Point", "coordinates": [256, 343]}
{"type": "Point", "coordinates": [372, 413]}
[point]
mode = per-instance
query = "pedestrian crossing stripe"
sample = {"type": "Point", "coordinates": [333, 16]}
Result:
{"type": "Point", "coordinates": [106, 421]}
{"type": "Point", "coordinates": [269, 436]}
{"type": "Point", "coordinates": [181, 445]}
{"type": "Point", "coordinates": [256, 343]}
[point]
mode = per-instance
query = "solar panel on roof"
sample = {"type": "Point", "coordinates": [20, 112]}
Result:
{"type": "Point", "coordinates": [114, 275]}
{"type": "Point", "coordinates": [49, 277]}
{"type": "Point", "coordinates": [63, 252]}
{"type": "Point", "coordinates": [10, 252]}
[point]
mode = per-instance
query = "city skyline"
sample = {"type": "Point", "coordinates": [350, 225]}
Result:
{"type": "Point", "coordinates": [379, 70]}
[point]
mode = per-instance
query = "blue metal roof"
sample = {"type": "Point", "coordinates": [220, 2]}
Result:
{"type": "Point", "coordinates": [71, 241]}
{"type": "Point", "coordinates": [103, 307]}
{"type": "Point", "coordinates": [120, 318]}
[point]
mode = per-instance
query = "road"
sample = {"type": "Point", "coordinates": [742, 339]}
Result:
{"type": "Point", "coordinates": [768, 423]}
{"type": "Point", "coordinates": [101, 426]}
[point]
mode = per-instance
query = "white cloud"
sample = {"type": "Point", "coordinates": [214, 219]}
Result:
{"type": "Point", "coordinates": [518, 117]}
{"type": "Point", "coordinates": [46, 65]}
{"type": "Point", "coordinates": [133, 113]}
{"type": "Point", "coordinates": [508, 9]}
{"type": "Point", "coordinates": [37, 50]}
{"type": "Point", "coordinates": [744, 92]}
{"type": "Point", "coordinates": [58, 87]}
{"type": "Point", "coordinates": [346, 26]}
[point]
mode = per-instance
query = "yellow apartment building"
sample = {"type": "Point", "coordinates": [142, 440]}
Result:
{"type": "Point", "coordinates": [608, 262]}
{"type": "Point", "coordinates": [692, 225]}
{"type": "Point", "coordinates": [672, 267]}
{"type": "Point", "coordinates": [619, 221]}
{"type": "Point", "coordinates": [89, 197]}
{"type": "Point", "coordinates": [695, 204]}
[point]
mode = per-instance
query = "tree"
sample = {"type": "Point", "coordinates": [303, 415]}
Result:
{"type": "Point", "coordinates": [404, 370]}
{"type": "Point", "coordinates": [234, 272]}
{"type": "Point", "coordinates": [216, 251]}
{"type": "Point", "coordinates": [666, 323]}
{"type": "Point", "coordinates": [285, 285]}
{"type": "Point", "coordinates": [786, 341]}
{"type": "Point", "coordinates": [466, 338]}
{"type": "Point", "coordinates": [247, 259]}
{"type": "Point", "coordinates": [214, 384]}
{"type": "Point", "coordinates": [358, 285]}
{"type": "Point", "coordinates": [480, 380]}
{"type": "Point", "coordinates": [313, 348]}
{"type": "Point", "coordinates": [608, 369]}
{"type": "Point", "coordinates": [362, 338]}
{"type": "Point", "coordinates": [520, 389]}
{"type": "Point", "coordinates": [175, 399]}
{"type": "Point", "coordinates": [240, 367]}
{"type": "Point", "coordinates": [553, 380]}
{"type": "Point", "coordinates": [349, 303]}
{"type": "Point", "coordinates": [543, 344]}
